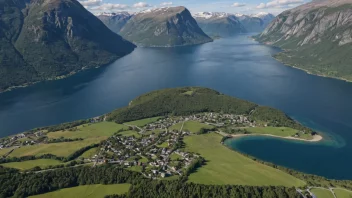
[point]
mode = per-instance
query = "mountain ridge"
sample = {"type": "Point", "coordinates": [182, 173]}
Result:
{"type": "Point", "coordinates": [45, 39]}
{"type": "Point", "coordinates": [316, 37]}
{"type": "Point", "coordinates": [164, 27]}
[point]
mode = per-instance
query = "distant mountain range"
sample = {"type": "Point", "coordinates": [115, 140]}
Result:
{"type": "Point", "coordinates": [44, 39]}
{"type": "Point", "coordinates": [219, 24]}
{"type": "Point", "coordinates": [115, 21]}
{"type": "Point", "coordinates": [316, 37]}
{"type": "Point", "coordinates": [212, 23]}
{"type": "Point", "coordinates": [164, 27]}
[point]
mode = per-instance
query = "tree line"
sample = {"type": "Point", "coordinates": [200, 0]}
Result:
{"type": "Point", "coordinates": [13, 184]}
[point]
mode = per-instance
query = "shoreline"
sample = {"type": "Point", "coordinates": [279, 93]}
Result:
{"type": "Point", "coordinates": [291, 64]}
{"type": "Point", "coordinates": [316, 138]}
{"type": "Point", "coordinates": [310, 72]}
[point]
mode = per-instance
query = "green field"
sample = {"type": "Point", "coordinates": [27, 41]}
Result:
{"type": "Point", "coordinates": [63, 149]}
{"type": "Point", "coordinates": [163, 145]}
{"type": "Point", "coordinates": [25, 165]}
{"type": "Point", "coordinates": [191, 126]}
{"type": "Point", "coordinates": [90, 153]}
{"type": "Point", "coordinates": [130, 133]}
{"type": "Point", "coordinates": [143, 122]}
{"type": "Point", "coordinates": [225, 166]}
{"type": "Point", "coordinates": [4, 151]}
{"type": "Point", "coordinates": [278, 131]}
{"type": "Point", "coordinates": [340, 193]}
{"type": "Point", "coordinates": [322, 193]}
{"type": "Point", "coordinates": [101, 129]}
{"type": "Point", "coordinates": [135, 168]}
{"type": "Point", "coordinates": [91, 191]}
{"type": "Point", "coordinates": [174, 156]}
{"type": "Point", "coordinates": [143, 160]}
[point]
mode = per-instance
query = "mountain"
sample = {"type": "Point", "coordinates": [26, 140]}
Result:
{"type": "Point", "coordinates": [251, 24]}
{"type": "Point", "coordinates": [267, 18]}
{"type": "Point", "coordinates": [115, 21]}
{"type": "Point", "coordinates": [219, 23]}
{"type": "Point", "coordinates": [44, 39]}
{"type": "Point", "coordinates": [316, 37]}
{"type": "Point", "coordinates": [164, 27]}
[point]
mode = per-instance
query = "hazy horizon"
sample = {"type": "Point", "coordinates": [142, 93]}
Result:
{"type": "Point", "coordinates": [244, 7]}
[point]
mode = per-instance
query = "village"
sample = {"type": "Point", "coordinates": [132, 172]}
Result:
{"type": "Point", "coordinates": [158, 152]}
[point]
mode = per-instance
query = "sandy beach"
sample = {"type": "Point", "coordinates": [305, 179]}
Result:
{"type": "Point", "coordinates": [316, 138]}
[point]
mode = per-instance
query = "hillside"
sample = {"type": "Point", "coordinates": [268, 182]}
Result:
{"type": "Point", "coordinates": [219, 24]}
{"type": "Point", "coordinates": [44, 39]}
{"type": "Point", "coordinates": [164, 27]}
{"type": "Point", "coordinates": [115, 21]}
{"type": "Point", "coordinates": [190, 100]}
{"type": "Point", "coordinates": [316, 37]}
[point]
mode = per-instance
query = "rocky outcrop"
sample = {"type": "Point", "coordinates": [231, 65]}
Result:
{"type": "Point", "coordinates": [317, 37]}
{"type": "Point", "coordinates": [164, 27]}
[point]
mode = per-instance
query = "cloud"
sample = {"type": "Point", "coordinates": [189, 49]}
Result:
{"type": "Point", "coordinates": [87, 3]}
{"type": "Point", "coordinates": [238, 4]}
{"type": "Point", "coordinates": [141, 5]}
{"type": "Point", "coordinates": [166, 3]}
{"type": "Point", "coordinates": [278, 3]}
{"type": "Point", "coordinates": [110, 7]}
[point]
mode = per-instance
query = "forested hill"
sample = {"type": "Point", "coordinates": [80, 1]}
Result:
{"type": "Point", "coordinates": [44, 39]}
{"type": "Point", "coordinates": [190, 100]}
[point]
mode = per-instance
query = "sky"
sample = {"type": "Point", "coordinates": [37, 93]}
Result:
{"type": "Point", "coordinates": [240, 6]}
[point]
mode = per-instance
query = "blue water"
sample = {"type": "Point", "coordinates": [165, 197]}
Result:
{"type": "Point", "coordinates": [238, 67]}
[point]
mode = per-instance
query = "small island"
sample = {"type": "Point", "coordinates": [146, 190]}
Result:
{"type": "Point", "coordinates": [169, 137]}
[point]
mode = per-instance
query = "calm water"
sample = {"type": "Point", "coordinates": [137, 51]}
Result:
{"type": "Point", "coordinates": [239, 67]}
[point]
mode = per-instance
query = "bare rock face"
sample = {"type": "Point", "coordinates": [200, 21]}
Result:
{"type": "Point", "coordinates": [318, 33]}
{"type": "Point", "coordinates": [43, 39]}
{"type": "Point", "coordinates": [164, 27]}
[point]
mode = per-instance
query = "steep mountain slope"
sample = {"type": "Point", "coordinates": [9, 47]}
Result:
{"type": "Point", "coordinates": [317, 37]}
{"type": "Point", "coordinates": [164, 27]}
{"type": "Point", "coordinates": [267, 18]}
{"type": "Point", "coordinates": [43, 39]}
{"type": "Point", "coordinates": [115, 21]}
{"type": "Point", "coordinates": [219, 24]}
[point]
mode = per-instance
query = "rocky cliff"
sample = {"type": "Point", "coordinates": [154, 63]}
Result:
{"type": "Point", "coordinates": [164, 27]}
{"type": "Point", "coordinates": [317, 37]}
{"type": "Point", "coordinates": [43, 39]}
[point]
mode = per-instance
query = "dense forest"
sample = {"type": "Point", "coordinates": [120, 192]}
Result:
{"type": "Point", "coordinates": [22, 185]}
{"type": "Point", "coordinates": [179, 189]}
{"type": "Point", "coordinates": [191, 100]}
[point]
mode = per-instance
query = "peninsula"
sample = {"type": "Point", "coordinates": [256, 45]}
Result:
{"type": "Point", "coordinates": [168, 138]}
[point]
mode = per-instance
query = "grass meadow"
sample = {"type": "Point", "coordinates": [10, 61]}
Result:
{"type": "Point", "coordinates": [225, 166]}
